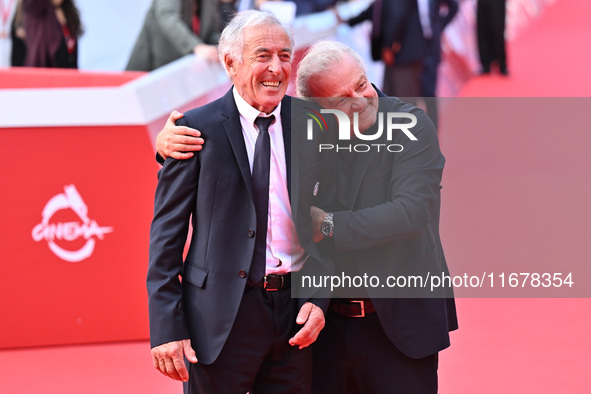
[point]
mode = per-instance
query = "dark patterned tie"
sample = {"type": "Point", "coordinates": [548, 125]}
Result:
{"type": "Point", "coordinates": [260, 183]}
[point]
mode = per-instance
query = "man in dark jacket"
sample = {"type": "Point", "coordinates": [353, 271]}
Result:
{"type": "Point", "coordinates": [397, 39]}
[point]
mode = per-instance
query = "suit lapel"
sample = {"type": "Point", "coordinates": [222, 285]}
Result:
{"type": "Point", "coordinates": [286, 124]}
{"type": "Point", "coordinates": [233, 129]}
{"type": "Point", "coordinates": [292, 162]}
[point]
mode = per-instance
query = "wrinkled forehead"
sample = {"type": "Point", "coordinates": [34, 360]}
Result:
{"type": "Point", "coordinates": [266, 36]}
{"type": "Point", "coordinates": [335, 88]}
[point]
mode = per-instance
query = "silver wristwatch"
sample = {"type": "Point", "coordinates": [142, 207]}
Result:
{"type": "Point", "coordinates": [327, 226]}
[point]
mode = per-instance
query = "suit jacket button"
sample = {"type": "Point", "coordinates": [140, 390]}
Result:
{"type": "Point", "coordinates": [242, 274]}
{"type": "Point", "coordinates": [251, 233]}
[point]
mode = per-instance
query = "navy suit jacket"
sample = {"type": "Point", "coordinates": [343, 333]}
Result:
{"type": "Point", "coordinates": [213, 189]}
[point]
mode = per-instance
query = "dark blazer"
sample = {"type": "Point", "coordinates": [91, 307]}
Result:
{"type": "Point", "coordinates": [398, 23]}
{"type": "Point", "coordinates": [167, 32]}
{"type": "Point", "coordinates": [392, 228]}
{"type": "Point", "coordinates": [214, 189]}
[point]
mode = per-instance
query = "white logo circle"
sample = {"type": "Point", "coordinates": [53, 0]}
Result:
{"type": "Point", "coordinates": [69, 231]}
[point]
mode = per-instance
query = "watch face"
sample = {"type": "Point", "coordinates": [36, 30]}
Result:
{"type": "Point", "coordinates": [325, 229]}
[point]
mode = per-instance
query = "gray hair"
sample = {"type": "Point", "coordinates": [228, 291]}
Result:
{"type": "Point", "coordinates": [320, 59]}
{"type": "Point", "coordinates": [232, 39]}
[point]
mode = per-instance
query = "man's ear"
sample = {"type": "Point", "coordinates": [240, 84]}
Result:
{"type": "Point", "coordinates": [230, 64]}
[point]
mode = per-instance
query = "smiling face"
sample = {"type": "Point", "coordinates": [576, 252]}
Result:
{"type": "Point", "coordinates": [262, 76]}
{"type": "Point", "coordinates": [346, 88]}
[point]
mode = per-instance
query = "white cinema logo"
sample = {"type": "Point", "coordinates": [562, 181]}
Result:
{"type": "Point", "coordinates": [69, 231]}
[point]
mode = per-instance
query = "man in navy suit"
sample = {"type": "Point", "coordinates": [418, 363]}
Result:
{"type": "Point", "coordinates": [232, 316]}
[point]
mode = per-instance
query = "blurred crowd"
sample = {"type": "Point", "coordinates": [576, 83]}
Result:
{"type": "Point", "coordinates": [405, 34]}
{"type": "Point", "coordinates": [39, 33]}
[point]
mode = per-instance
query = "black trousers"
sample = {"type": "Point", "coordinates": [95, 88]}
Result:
{"type": "Point", "coordinates": [257, 357]}
{"type": "Point", "coordinates": [429, 76]}
{"type": "Point", "coordinates": [490, 29]}
{"type": "Point", "coordinates": [354, 356]}
{"type": "Point", "coordinates": [430, 68]}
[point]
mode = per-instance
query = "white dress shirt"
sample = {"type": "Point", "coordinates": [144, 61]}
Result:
{"type": "Point", "coordinates": [284, 252]}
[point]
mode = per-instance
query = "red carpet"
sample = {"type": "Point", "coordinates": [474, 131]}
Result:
{"type": "Point", "coordinates": [520, 346]}
{"type": "Point", "coordinates": [548, 59]}
{"type": "Point", "coordinates": [503, 345]}
{"type": "Point", "coordinates": [536, 211]}
{"type": "Point", "coordinates": [90, 369]}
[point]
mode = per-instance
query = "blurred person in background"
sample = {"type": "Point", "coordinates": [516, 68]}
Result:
{"type": "Point", "coordinates": [7, 11]}
{"type": "Point", "coordinates": [175, 28]}
{"type": "Point", "coordinates": [303, 7]}
{"type": "Point", "coordinates": [52, 29]}
{"type": "Point", "coordinates": [18, 36]}
{"type": "Point", "coordinates": [490, 29]}
{"type": "Point", "coordinates": [435, 15]}
{"type": "Point", "coordinates": [396, 39]}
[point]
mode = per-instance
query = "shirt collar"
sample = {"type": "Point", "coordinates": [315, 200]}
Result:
{"type": "Point", "coordinates": [249, 112]}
